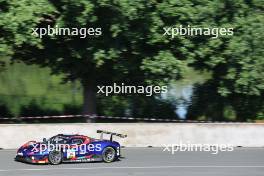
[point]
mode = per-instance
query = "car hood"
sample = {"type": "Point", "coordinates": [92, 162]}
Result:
{"type": "Point", "coordinates": [29, 147]}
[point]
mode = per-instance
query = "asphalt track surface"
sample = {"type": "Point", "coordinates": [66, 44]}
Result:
{"type": "Point", "coordinates": [149, 161]}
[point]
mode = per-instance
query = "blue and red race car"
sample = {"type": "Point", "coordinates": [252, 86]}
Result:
{"type": "Point", "coordinates": [71, 148]}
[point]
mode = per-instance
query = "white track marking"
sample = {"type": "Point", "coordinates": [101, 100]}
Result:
{"type": "Point", "coordinates": [132, 167]}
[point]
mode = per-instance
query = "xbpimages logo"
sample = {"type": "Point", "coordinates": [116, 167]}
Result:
{"type": "Point", "coordinates": [191, 147]}
{"type": "Point", "coordinates": [53, 31]}
{"type": "Point", "coordinates": [48, 147]}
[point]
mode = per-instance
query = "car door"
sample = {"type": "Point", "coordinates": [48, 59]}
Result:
{"type": "Point", "coordinates": [76, 149]}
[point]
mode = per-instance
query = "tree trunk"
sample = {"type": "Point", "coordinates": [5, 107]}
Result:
{"type": "Point", "coordinates": [89, 98]}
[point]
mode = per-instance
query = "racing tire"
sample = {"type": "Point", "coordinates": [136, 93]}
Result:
{"type": "Point", "coordinates": [55, 157]}
{"type": "Point", "coordinates": [109, 154]}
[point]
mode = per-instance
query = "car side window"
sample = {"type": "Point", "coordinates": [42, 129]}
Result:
{"type": "Point", "coordinates": [77, 141]}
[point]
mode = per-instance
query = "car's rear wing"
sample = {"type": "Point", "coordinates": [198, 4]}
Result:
{"type": "Point", "coordinates": [111, 134]}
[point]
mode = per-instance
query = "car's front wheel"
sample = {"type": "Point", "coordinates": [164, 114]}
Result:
{"type": "Point", "coordinates": [55, 157]}
{"type": "Point", "coordinates": [109, 154]}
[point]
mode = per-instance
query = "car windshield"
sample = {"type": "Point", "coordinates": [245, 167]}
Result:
{"type": "Point", "coordinates": [58, 139]}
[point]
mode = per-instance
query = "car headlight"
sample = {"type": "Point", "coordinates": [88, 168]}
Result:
{"type": "Point", "coordinates": [19, 153]}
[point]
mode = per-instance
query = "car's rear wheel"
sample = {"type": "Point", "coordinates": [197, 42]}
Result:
{"type": "Point", "coordinates": [55, 157]}
{"type": "Point", "coordinates": [109, 154]}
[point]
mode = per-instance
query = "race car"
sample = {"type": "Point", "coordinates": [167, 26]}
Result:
{"type": "Point", "coordinates": [64, 148]}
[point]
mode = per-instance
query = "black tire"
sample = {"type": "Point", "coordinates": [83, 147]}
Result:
{"type": "Point", "coordinates": [109, 154]}
{"type": "Point", "coordinates": [55, 157]}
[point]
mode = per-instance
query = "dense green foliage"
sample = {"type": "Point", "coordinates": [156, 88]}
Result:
{"type": "Point", "coordinates": [133, 49]}
{"type": "Point", "coordinates": [236, 62]}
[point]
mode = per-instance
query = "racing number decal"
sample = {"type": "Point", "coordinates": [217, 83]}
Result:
{"type": "Point", "coordinates": [70, 153]}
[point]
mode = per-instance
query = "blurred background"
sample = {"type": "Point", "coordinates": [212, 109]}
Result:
{"type": "Point", "coordinates": [208, 79]}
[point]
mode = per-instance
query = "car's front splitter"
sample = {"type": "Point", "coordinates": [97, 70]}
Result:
{"type": "Point", "coordinates": [31, 159]}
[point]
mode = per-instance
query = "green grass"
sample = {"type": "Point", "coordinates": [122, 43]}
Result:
{"type": "Point", "coordinates": [22, 84]}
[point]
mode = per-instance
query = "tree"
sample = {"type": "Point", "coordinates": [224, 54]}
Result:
{"type": "Point", "coordinates": [133, 49]}
{"type": "Point", "coordinates": [237, 62]}
{"type": "Point", "coordinates": [125, 52]}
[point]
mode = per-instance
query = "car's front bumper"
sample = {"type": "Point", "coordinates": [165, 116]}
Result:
{"type": "Point", "coordinates": [24, 159]}
{"type": "Point", "coordinates": [30, 159]}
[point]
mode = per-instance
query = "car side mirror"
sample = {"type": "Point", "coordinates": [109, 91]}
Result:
{"type": "Point", "coordinates": [44, 140]}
